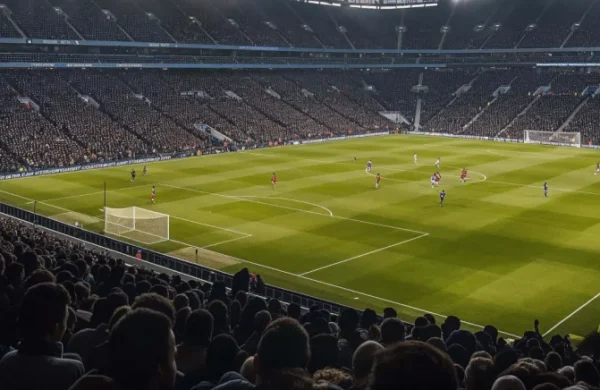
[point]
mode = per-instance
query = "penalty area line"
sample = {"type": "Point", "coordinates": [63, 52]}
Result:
{"type": "Point", "coordinates": [289, 200]}
{"type": "Point", "coordinates": [559, 323]}
{"type": "Point", "coordinates": [364, 254]}
{"type": "Point", "coordinates": [244, 235]}
{"type": "Point", "coordinates": [335, 286]}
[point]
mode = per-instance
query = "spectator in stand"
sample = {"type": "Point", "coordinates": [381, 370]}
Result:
{"type": "Point", "coordinates": [413, 365]}
{"type": "Point", "coordinates": [222, 356]}
{"type": "Point", "coordinates": [362, 363]}
{"type": "Point", "coordinates": [99, 357]}
{"type": "Point", "coordinates": [261, 320]}
{"type": "Point", "coordinates": [480, 374]}
{"type": "Point", "coordinates": [85, 341]}
{"type": "Point", "coordinates": [508, 382]}
{"type": "Point", "coordinates": [38, 363]}
{"type": "Point", "coordinates": [191, 354]}
{"type": "Point", "coordinates": [157, 303]}
{"type": "Point", "coordinates": [282, 356]}
{"type": "Point", "coordinates": [586, 373]}
{"type": "Point", "coordinates": [141, 354]}
{"type": "Point", "coordinates": [324, 353]}
{"type": "Point", "coordinates": [392, 331]}
{"type": "Point", "coordinates": [219, 312]}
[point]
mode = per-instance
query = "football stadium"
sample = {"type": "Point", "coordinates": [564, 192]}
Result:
{"type": "Point", "coordinates": [351, 194]}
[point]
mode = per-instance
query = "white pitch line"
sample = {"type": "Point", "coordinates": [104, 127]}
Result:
{"type": "Point", "coordinates": [212, 226]}
{"type": "Point", "coordinates": [290, 200]}
{"type": "Point", "coordinates": [30, 201]}
{"type": "Point", "coordinates": [321, 282]}
{"type": "Point", "coordinates": [94, 193]}
{"type": "Point", "coordinates": [363, 255]}
{"type": "Point", "coordinates": [291, 208]}
{"type": "Point", "coordinates": [496, 153]}
{"type": "Point", "coordinates": [227, 241]}
{"type": "Point", "coordinates": [571, 315]}
{"type": "Point", "coordinates": [15, 195]}
{"type": "Point", "coordinates": [243, 199]}
{"type": "Point", "coordinates": [443, 316]}
{"type": "Point", "coordinates": [245, 235]}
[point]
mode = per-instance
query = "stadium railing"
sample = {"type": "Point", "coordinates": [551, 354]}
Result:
{"type": "Point", "coordinates": [153, 257]}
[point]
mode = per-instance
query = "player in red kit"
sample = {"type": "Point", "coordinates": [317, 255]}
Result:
{"type": "Point", "coordinates": [378, 181]}
{"type": "Point", "coordinates": [274, 181]}
{"type": "Point", "coordinates": [463, 175]}
{"type": "Point", "coordinates": [597, 168]}
{"type": "Point", "coordinates": [437, 179]}
{"type": "Point", "coordinates": [153, 195]}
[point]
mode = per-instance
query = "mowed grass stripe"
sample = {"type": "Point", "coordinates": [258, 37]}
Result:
{"type": "Point", "coordinates": [482, 246]}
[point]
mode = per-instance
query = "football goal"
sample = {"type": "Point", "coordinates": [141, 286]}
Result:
{"type": "Point", "coordinates": [552, 138]}
{"type": "Point", "coordinates": [135, 223]}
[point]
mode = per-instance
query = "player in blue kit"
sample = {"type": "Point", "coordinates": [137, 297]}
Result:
{"type": "Point", "coordinates": [545, 190]}
{"type": "Point", "coordinates": [442, 197]}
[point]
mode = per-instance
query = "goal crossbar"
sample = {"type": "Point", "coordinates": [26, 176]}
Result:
{"type": "Point", "coordinates": [138, 224]}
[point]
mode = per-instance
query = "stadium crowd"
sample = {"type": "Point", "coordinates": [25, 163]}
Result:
{"type": "Point", "coordinates": [76, 117]}
{"type": "Point", "coordinates": [61, 118]}
{"type": "Point", "coordinates": [74, 318]}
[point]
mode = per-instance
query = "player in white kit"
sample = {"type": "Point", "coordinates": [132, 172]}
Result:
{"type": "Point", "coordinates": [415, 158]}
{"type": "Point", "coordinates": [437, 163]}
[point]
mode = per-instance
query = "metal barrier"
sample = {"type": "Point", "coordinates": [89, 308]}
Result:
{"type": "Point", "coordinates": [181, 266]}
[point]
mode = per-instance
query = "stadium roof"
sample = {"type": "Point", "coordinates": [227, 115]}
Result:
{"type": "Point", "coordinates": [374, 4]}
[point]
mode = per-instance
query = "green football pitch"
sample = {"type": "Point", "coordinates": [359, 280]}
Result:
{"type": "Point", "coordinates": [498, 252]}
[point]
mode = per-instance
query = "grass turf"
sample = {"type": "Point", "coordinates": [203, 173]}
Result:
{"type": "Point", "coordinates": [497, 253]}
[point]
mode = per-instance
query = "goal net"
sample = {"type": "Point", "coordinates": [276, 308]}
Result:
{"type": "Point", "coordinates": [552, 138]}
{"type": "Point", "coordinates": [145, 226]}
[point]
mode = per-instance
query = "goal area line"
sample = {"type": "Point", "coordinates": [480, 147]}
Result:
{"type": "Point", "coordinates": [135, 235]}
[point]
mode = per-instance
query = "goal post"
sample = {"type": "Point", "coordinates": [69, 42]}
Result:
{"type": "Point", "coordinates": [552, 138]}
{"type": "Point", "coordinates": [138, 224]}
